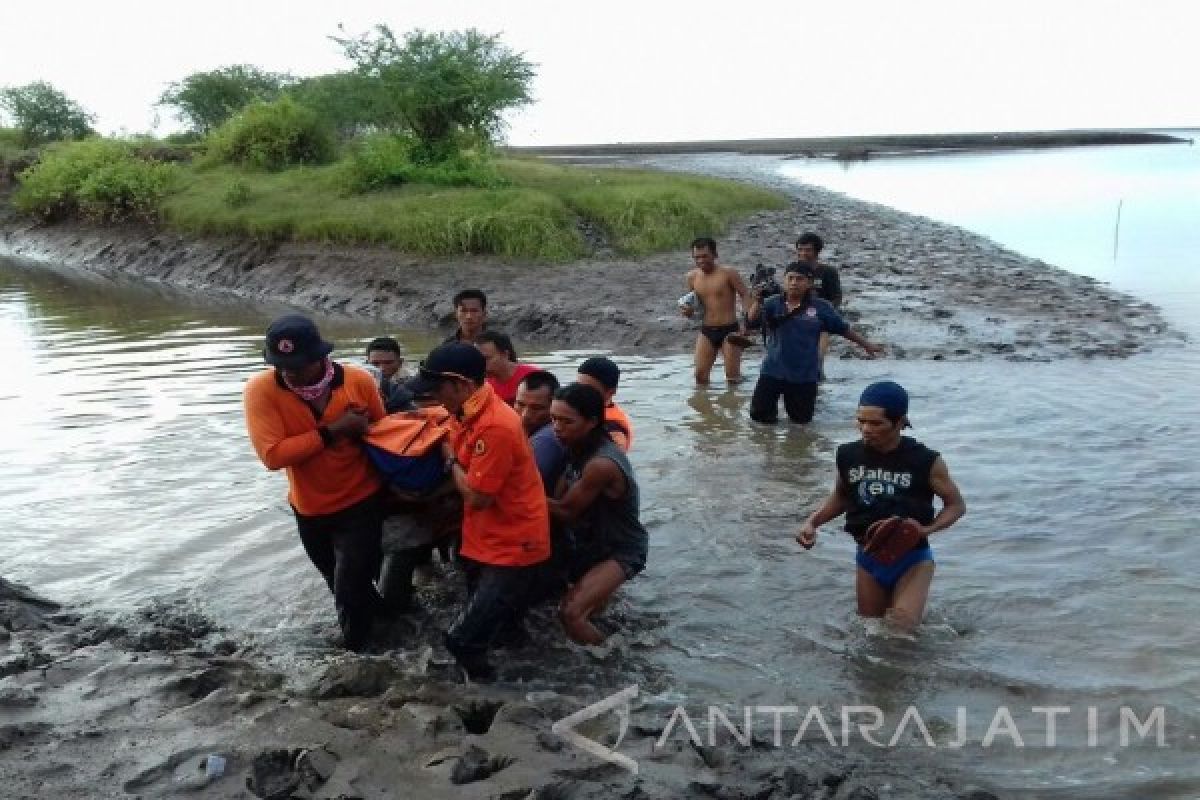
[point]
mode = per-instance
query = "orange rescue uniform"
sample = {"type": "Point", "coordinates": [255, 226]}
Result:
{"type": "Point", "coordinates": [619, 428]}
{"type": "Point", "coordinates": [514, 530]}
{"type": "Point", "coordinates": [283, 431]}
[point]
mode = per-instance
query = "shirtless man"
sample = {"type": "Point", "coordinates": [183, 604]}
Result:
{"type": "Point", "coordinates": [718, 289]}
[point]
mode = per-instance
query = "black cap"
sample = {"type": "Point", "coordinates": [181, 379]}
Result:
{"type": "Point", "coordinates": [417, 387]}
{"type": "Point", "coordinates": [804, 268]}
{"type": "Point", "coordinates": [602, 369]}
{"type": "Point", "coordinates": [293, 341]}
{"type": "Point", "coordinates": [455, 360]}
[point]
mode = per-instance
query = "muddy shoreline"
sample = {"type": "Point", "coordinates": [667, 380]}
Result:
{"type": "Point", "coordinates": [162, 703]}
{"type": "Point", "coordinates": [926, 289]}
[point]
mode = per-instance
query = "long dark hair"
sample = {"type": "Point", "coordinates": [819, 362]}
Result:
{"type": "Point", "coordinates": [589, 403]}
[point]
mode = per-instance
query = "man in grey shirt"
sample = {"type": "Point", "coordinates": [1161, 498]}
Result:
{"type": "Point", "coordinates": [534, 396]}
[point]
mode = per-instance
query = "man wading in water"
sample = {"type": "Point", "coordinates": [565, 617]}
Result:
{"type": "Point", "coordinates": [883, 475]}
{"type": "Point", "coordinates": [598, 501]}
{"type": "Point", "coordinates": [505, 529]}
{"type": "Point", "coordinates": [718, 289]}
{"type": "Point", "coordinates": [794, 322]}
{"type": "Point", "coordinates": [306, 416]}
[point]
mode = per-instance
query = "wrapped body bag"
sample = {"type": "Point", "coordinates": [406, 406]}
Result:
{"type": "Point", "coordinates": [406, 448]}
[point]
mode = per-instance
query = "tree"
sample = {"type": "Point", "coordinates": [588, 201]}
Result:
{"type": "Point", "coordinates": [44, 114]}
{"type": "Point", "coordinates": [442, 86]}
{"type": "Point", "coordinates": [205, 100]}
{"type": "Point", "coordinates": [348, 101]}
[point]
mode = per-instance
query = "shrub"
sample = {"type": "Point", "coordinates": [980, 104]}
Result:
{"type": "Point", "coordinates": [381, 161]}
{"type": "Point", "coordinates": [99, 178]}
{"type": "Point", "coordinates": [272, 136]}
{"type": "Point", "coordinates": [124, 190]}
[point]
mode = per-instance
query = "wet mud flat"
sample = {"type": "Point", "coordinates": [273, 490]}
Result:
{"type": "Point", "coordinates": [927, 289]}
{"type": "Point", "coordinates": [162, 703]}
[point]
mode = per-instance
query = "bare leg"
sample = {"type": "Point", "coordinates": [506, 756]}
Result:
{"type": "Point", "coordinates": [909, 597]}
{"type": "Point", "coordinates": [588, 596]}
{"type": "Point", "coordinates": [872, 598]}
{"type": "Point", "coordinates": [706, 356]}
{"type": "Point", "coordinates": [733, 362]}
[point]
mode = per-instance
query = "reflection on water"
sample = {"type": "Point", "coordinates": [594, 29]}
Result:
{"type": "Point", "coordinates": [125, 474]}
{"type": "Point", "coordinates": [1126, 215]}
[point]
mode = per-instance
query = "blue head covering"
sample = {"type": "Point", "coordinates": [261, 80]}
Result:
{"type": "Point", "coordinates": [888, 395]}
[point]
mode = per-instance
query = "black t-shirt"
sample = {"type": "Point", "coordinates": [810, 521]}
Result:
{"type": "Point", "coordinates": [828, 284]}
{"type": "Point", "coordinates": [881, 485]}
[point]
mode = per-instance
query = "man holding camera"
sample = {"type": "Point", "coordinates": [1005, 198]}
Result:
{"type": "Point", "coordinates": [793, 322]}
{"type": "Point", "coordinates": [717, 289]}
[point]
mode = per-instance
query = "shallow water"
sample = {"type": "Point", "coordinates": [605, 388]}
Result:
{"type": "Point", "coordinates": [125, 476]}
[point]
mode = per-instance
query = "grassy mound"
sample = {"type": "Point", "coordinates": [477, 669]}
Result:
{"type": "Point", "coordinates": [376, 193]}
{"type": "Point", "coordinates": [535, 212]}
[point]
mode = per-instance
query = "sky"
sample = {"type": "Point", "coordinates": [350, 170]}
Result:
{"type": "Point", "coordinates": [626, 71]}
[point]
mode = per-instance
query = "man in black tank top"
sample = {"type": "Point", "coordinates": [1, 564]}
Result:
{"type": "Point", "coordinates": [886, 474]}
{"type": "Point", "coordinates": [597, 499]}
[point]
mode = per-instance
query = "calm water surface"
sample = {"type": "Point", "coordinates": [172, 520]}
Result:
{"type": "Point", "coordinates": [125, 476]}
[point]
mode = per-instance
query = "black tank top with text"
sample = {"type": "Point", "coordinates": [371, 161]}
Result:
{"type": "Point", "coordinates": [881, 485]}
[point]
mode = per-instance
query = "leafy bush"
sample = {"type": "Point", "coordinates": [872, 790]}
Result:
{"type": "Point", "coordinates": [125, 190]}
{"type": "Point", "coordinates": [272, 136]}
{"type": "Point", "coordinates": [380, 161]}
{"type": "Point", "coordinates": [101, 179]}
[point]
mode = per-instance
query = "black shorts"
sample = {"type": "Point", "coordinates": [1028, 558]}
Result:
{"type": "Point", "coordinates": [631, 558]}
{"type": "Point", "coordinates": [716, 333]}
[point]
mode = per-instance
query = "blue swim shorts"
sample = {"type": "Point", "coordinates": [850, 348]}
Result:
{"type": "Point", "coordinates": [888, 575]}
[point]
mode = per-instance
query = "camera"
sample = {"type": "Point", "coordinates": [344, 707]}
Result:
{"type": "Point", "coordinates": [764, 283]}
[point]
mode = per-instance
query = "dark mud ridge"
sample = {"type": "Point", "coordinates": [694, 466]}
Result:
{"type": "Point", "coordinates": [162, 703]}
{"type": "Point", "coordinates": [926, 289]}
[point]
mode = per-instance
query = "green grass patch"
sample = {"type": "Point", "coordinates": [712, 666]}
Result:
{"type": "Point", "coordinates": [533, 213]}
{"type": "Point", "coordinates": [644, 211]}
{"type": "Point", "coordinates": [307, 204]}
{"type": "Point", "coordinates": [520, 209]}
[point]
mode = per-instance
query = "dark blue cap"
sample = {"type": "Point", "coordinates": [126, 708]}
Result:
{"type": "Point", "coordinates": [455, 360]}
{"type": "Point", "coordinates": [888, 395]}
{"type": "Point", "coordinates": [293, 341]}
